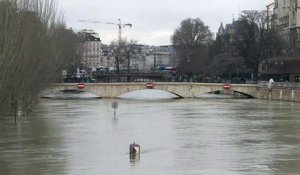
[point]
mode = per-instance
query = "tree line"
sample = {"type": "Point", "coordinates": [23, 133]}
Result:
{"type": "Point", "coordinates": [248, 42]}
{"type": "Point", "coordinates": [35, 46]}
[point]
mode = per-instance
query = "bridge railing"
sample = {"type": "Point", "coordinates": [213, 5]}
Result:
{"type": "Point", "coordinates": [280, 85]}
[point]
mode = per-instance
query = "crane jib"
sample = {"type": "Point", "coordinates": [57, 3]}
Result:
{"type": "Point", "coordinates": [120, 25]}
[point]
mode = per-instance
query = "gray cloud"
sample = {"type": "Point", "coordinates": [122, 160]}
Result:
{"type": "Point", "coordinates": [153, 20]}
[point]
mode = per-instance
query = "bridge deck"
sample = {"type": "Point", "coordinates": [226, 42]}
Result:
{"type": "Point", "coordinates": [187, 90]}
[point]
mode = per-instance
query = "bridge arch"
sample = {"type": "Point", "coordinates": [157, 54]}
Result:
{"type": "Point", "coordinates": [151, 94]}
{"type": "Point", "coordinates": [245, 94]}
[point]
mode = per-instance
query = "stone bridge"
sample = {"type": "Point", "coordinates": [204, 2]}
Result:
{"type": "Point", "coordinates": [185, 90]}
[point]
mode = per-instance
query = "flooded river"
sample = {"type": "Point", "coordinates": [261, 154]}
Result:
{"type": "Point", "coordinates": [177, 137]}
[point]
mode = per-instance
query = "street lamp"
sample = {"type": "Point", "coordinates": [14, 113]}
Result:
{"type": "Point", "coordinates": [237, 74]}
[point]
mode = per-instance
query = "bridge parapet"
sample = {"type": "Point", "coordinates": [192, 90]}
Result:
{"type": "Point", "coordinates": [280, 91]}
{"type": "Point", "coordinates": [280, 85]}
{"type": "Point", "coordinates": [186, 90]}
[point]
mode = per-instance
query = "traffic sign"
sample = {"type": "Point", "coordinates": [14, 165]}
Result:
{"type": "Point", "coordinates": [150, 85]}
{"type": "Point", "coordinates": [227, 86]}
{"type": "Point", "coordinates": [81, 86]}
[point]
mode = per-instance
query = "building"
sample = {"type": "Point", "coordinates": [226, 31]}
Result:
{"type": "Point", "coordinates": [92, 56]}
{"type": "Point", "coordinates": [227, 39]}
{"type": "Point", "coordinates": [281, 70]}
{"type": "Point", "coordinates": [147, 58]}
{"type": "Point", "coordinates": [286, 18]}
{"type": "Point", "coordinates": [156, 56]}
{"type": "Point", "coordinates": [221, 30]}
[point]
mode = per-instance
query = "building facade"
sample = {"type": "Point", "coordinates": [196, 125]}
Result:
{"type": "Point", "coordinates": [227, 38]}
{"type": "Point", "coordinates": [153, 57]}
{"type": "Point", "coordinates": [92, 56]}
{"type": "Point", "coordinates": [147, 58]}
{"type": "Point", "coordinates": [286, 18]}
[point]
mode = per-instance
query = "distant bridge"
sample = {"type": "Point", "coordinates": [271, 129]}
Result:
{"type": "Point", "coordinates": [185, 90]}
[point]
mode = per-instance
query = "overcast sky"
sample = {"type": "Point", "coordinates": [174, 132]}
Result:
{"type": "Point", "coordinates": [154, 21]}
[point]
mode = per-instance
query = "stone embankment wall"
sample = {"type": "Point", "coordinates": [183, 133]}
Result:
{"type": "Point", "coordinates": [289, 92]}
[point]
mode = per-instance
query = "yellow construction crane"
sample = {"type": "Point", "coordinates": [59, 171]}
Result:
{"type": "Point", "coordinates": [120, 25]}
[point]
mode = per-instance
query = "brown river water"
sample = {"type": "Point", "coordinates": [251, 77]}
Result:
{"type": "Point", "coordinates": [177, 137]}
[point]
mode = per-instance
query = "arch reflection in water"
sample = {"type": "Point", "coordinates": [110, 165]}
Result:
{"type": "Point", "coordinates": [149, 94]}
{"type": "Point", "coordinates": [70, 94]}
{"type": "Point", "coordinates": [134, 159]}
{"type": "Point", "coordinates": [224, 94]}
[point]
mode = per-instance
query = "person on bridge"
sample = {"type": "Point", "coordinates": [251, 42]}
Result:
{"type": "Point", "coordinates": [271, 81]}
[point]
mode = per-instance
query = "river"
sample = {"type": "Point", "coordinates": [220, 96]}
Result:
{"type": "Point", "coordinates": [177, 137]}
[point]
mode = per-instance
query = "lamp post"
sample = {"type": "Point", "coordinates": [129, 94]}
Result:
{"type": "Point", "coordinates": [281, 68]}
{"type": "Point", "coordinates": [154, 61]}
{"type": "Point", "coordinates": [265, 68]}
{"type": "Point", "coordinates": [237, 75]}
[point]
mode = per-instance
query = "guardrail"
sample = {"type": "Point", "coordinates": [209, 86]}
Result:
{"type": "Point", "coordinates": [280, 85]}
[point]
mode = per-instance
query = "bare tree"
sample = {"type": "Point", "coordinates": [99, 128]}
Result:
{"type": "Point", "coordinates": [34, 47]}
{"type": "Point", "coordinates": [123, 51]}
{"type": "Point", "coordinates": [117, 54]}
{"type": "Point", "coordinates": [129, 49]}
{"type": "Point", "coordinates": [255, 41]}
{"type": "Point", "coordinates": [191, 40]}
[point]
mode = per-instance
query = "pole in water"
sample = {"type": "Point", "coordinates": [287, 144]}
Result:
{"type": "Point", "coordinates": [134, 148]}
{"type": "Point", "coordinates": [115, 106]}
{"type": "Point", "coordinates": [134, 152]}
{"type": "Point", "coordinates": [16, 112]}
